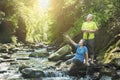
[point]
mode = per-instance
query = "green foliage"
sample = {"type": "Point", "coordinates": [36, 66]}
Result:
{"type": "Point", "coordinates": [29, 22]}
{"type": "Point", "coordinates": [2, 14]}
{"type": "Point", "coordinates": [70, 14]}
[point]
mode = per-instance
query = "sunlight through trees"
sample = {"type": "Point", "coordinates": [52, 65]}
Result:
{"type": "Point", "coordinates": [44, 4]}
{"type": "Point", "coordinates": [47, 20]}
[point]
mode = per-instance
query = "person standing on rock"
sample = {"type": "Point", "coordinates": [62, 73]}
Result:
{"type": "Point", "coordinates": [89, 28]}
{"type": "Point", "coordinates": [78, 60]}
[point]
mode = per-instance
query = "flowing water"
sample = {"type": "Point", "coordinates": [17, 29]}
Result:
{"type": "Point", "coordinates": [9, 69]}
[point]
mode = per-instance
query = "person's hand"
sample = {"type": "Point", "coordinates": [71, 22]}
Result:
{"type": "Point", "coordinates": [87, 31]}
{"type": "Point", "coordinates": [67, 36]}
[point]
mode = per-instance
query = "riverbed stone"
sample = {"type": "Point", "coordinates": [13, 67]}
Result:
{"type": "Point", "coordinates": [41, 53]}
{"type": "Point", "coordinates": [5, 56]}
{"type": "Point", "coordinates": [104, 77]}
{"type": "Point", "coordinates": [107, 71]}
{"type": "Point", "coordinates": [118, 73]}
{"type": "Point", "coordinates": [4, 48]}
{"type": "Point", "coordinates": [60, 53]}
{"type": "Point", "coordinates": [116, 62]}
{"type": "Point", "coordinates": [23, 66]}
{"type": "Point", "coordinates": [8, 60]}
{"type": "Point", "coordinates": [24, 58]}
{"type": "Point", "coordinates": [117, 76]}
{"type": "Point", "coordinates": [32, 73]}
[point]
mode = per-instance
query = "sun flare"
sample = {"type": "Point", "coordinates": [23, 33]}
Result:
{"type": "Point", "coordinates": [44, 4]}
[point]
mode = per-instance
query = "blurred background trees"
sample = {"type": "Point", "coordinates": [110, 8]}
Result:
{"type": "Point", "coordinates": [47, 20]}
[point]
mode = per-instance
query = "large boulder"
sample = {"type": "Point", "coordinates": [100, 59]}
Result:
{"type": "Point", "coordinates": [40, 53]}
{"type": "Point", "coordinates": [60, 53]}
{"type": "Point", "coordinates": [112, 50]}
{"type": "Point", "coordinates": [32, 73]}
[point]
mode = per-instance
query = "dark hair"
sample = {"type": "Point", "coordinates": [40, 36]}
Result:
{"type": "Point", "coordinates": [84, 42]}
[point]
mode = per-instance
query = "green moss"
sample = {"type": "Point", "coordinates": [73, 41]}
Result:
{"type": "Point", "coordinates": [110, 54]}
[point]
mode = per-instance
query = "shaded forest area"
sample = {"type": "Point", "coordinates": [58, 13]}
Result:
{"type": "Point", "coordinates": [25, 21]}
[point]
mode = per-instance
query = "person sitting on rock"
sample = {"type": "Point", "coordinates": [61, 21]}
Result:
{"type": "Point", "coordinates": [78, 60]}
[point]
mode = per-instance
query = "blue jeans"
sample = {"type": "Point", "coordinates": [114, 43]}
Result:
{"type": "Point", "coordinates": [69, 61]}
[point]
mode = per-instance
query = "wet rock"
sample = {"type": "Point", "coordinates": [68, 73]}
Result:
{"type": "Point", "coordinates": [15, 77]}
{"type": "Point", "coordinates": [96, 76]}
{"type": "Point", "coordinates": [13, 63]}
{"type": "Point", "coordinates": [50, 67]}
{"type": "Point", "coordinates": [118, 72]}
{"type": "Point", "coordinates": [4, 48]}
{"type": "Point", "coordinates": [5, 56]}
{"type": "Point", "coordinates": [117, 76]}
{"type": "Point", "coordinates": [37, 45]}
{"type": "Point", "coordinates": [112, 50]}
{"type": "Point", "coordinates": [20, 44]}
{"type": "Point", "coordinates": [25, 58]}
{"type": "Point", "coordinates": [53, 73]}
{"type": "Point", "coordinates": [82, 70]}
{"type": "Point", "coordinates": [116, 62]}
{"type": "Point", "coordinates": [7, 60]}
{"type": "Point", "coordinates": [41, 53]}
{"type": "Point", "coordinates": [107, 71]}
{"type": "Point", "coordinates": [106, 78]}
{"type": "Point", "coordinates": [87, 77]}
{"type": "Point", "coordinates": [23, 66]}
{"type": "Point", "coordinates": [1, 59]}
{"type": "Point", "coordinates": [60, 53]}
{"type": "Point", "coordinates": [30, 50]}
{"type": "Point", "coordinates": [3, 71]}
{"type": "Point", "coordinates": [31, 73]}
{"type": "Point", "coordinates": [78, 70]}
{"type": "Point", "coordinates": [12, 50]}
{"type": "Point", "coordinates": [8, 48]}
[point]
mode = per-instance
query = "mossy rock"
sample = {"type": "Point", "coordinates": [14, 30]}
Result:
{"type": "Point", "coordinates": [116, 62]}
{"type": "Point", "coordinates": [60, 53]}
{"type": "Point", "coordinates": [113, 50]}
{"type": "Point", "coordinates": [41, 53]}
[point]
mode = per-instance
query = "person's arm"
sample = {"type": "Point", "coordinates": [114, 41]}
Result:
{"type": "Point", "coordinates": [92, 31]}
{"type": "Point", "coordinates": [83, 30]}
{"type": "Point", "coordinates": [86, 59]}
{"type": "Point", "coordinates": [72, 42]}
{"type": "Point", "coordinates": [95, 28]}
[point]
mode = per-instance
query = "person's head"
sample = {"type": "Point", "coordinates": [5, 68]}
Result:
{"type": "Point", "coordinates": [89, 17]}
{"type": "Point", "coordinates": [82, 42]}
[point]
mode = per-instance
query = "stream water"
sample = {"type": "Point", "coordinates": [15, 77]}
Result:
{"type": "Point", "coordinates": [9, 68]}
